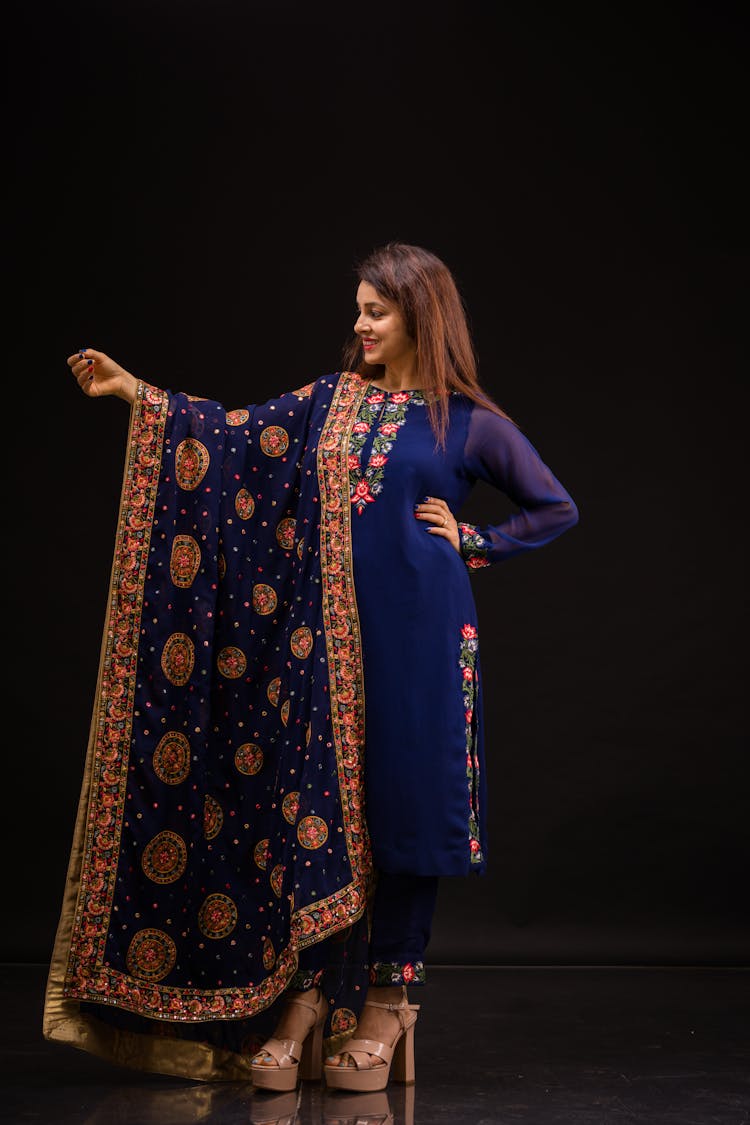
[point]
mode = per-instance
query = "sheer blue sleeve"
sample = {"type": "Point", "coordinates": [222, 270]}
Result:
{"type": "Point", "coordinates": [498, 453]}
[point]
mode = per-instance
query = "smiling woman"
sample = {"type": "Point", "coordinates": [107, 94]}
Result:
{"type": "Point", "coordinates": [287, 751]}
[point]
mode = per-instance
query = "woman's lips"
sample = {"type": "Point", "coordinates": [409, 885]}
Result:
{"type": "Point", "coordinates": [367, 344]}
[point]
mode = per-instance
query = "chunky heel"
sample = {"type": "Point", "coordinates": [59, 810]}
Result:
{"type": "Point", "coordinates": [402, 1067]}
{"type": "Point", "coordinates": [311, 1063]}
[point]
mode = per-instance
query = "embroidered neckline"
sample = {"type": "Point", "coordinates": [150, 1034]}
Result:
{"type": "Point", "coordinates": [370, 387]}
{"type": "Point", "coordinates": [386, 411]}
{"type": "Point", "coordinates": [404, 391]}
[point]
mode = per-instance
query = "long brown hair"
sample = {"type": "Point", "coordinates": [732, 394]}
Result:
{"type": "Point", "coordinates": [424, 290]}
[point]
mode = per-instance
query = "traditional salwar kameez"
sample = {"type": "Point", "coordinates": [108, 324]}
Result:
{"type": "Point", "coordinates": [289, 702]}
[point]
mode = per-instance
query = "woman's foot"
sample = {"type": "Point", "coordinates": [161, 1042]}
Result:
{"type": "Point", "coordinates": [295, 1022]}
{"type": "Point", "coordinates": [295, 1051]}
{"type": "Point", "coordinates": [379, 1024]}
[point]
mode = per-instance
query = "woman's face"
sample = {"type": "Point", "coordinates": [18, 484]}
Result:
{"type": "Point", "coordinates": [380, 326]}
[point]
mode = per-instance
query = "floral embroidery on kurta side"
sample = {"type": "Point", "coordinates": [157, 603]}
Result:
{"type": "Point", "coordinates": [388, 410]}
{"type": "Point", "coordinates": [474, 547]}
{"type": "Point", "coordinates": [467, 662]}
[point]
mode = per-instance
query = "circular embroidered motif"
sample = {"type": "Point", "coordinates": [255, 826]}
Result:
{"type": "Point", "coordinates": [177, 659]}
{"type": "Point", "coordinates": [237, 417]}
{"type": "Point", "coordinates": [231, 662]}
{"type": "Point", "coordinates": [164, 858]}
{"type": "Point", "coordinates": [260, 853]}
{"type": "Point", "coordinates": [285, 711]}
{"type": "Point", "coordinates": [191, 461]}
{"type": "Point", "coordinates": [272, 691]}
{"type": "Point", "coordinates": [184, 561]}
{"type": "Point", "coordinates": [342, 1020]}
{"type": "Point", "coordinates": [151, 955]}
{"type": "Point", "coordinates": [213, 817]}
{"type": "Point", "coordinates": [285, 533]}
{"type": "Point", "coordinates": [217, 917]}
{"type": "Point", "coordinates": [274, 441]}
{"type": "Point", "coordinates": [269, 954]}
{"type": "Point", "coordinates": [249, 758]}
{"type": "Point", "coordinates": [264, 598]}
{"type": "Point", "coordinates": [222, 566]}
{"type": "Point", "coordinates": [312, 832]}
{"type": "Point", "coordinates": [301, 642]}
{"type": "Point", "coordinates": [276, 879]}
{"type": "Point", "coordinates": [244, 505]}
{"type": "Point", "coordinates": [290, 806]}
{"type": "Point", "coordinates": [172, 758]}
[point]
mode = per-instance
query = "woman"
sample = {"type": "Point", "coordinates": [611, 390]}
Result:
{"type": "Point", "coordinates": [287, 749]}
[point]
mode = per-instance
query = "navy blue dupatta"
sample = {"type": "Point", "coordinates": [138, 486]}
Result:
{"type": "Point", "coordinates": [221, 824]}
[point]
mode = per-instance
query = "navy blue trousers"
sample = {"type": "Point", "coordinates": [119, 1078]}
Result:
{"type": "Point", "coordinates": [401, 923]}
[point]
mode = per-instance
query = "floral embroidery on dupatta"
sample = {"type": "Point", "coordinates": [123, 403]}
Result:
{"type": "Point", "coordinates": [388, 411]}
{"type": "Point", "coordinates": [467, 663]}
{"type": "Point", "coordinates": [341, 622]}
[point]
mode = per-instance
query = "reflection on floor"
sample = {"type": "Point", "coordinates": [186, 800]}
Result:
{"type": "Point", "coordinates": [494, 1046]}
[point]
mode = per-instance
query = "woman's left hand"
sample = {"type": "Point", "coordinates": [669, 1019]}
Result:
{"type": "Point", "coordinates": [440, 516]}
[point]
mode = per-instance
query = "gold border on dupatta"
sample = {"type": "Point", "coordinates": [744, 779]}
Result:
{"type": "Point", "coordinates": [341, 617]}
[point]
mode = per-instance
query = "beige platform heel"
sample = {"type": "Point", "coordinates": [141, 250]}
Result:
{"type": "Point", "coordinates": [397, 1056]}
{"type": "Point", "coordinates": [296, 1060]}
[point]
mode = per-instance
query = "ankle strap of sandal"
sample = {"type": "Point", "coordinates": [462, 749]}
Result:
{"type": "Point", "coordinates": [401, 1006]}
{"type": "Point", "coordinates": [313, 1005]}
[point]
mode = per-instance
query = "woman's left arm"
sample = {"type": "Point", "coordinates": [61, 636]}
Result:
{"type": "Point", "coordinates": [498, 453]}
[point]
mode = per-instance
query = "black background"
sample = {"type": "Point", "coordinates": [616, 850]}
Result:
{"type": "Point", "coordinates": [190, 185]}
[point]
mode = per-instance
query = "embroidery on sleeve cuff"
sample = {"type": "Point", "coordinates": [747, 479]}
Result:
{"type": "Point", "coordinates": [474, 547]}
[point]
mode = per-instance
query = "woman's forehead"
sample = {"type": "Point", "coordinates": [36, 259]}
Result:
{"type": "Point", "coordinates": [367, 294]}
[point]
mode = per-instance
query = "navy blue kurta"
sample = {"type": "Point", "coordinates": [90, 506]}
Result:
{"type": "Point", "coordinates": [424, 738]}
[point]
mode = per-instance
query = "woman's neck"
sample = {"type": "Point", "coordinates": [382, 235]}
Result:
{"type": "Point", "coordinates": [395, 379]}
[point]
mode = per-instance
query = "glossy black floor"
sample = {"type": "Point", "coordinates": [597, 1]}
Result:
{"type": "Point", "coordinates": [545, 1046]}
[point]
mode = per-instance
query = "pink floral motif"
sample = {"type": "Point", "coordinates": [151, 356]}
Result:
{"type": "Point", "coordinates": [470, 685]}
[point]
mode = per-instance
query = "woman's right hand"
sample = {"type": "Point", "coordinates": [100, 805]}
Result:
{"type": "Point", "coordinates": [97, 374]}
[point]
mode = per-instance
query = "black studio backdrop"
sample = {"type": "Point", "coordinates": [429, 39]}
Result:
{"type": "Point", "coordinates": [190, 185]}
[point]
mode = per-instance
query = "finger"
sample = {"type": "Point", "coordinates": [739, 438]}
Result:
{"type": "Point", "coordinates": [85, 353]}
{"type": "Point", "coordinates": [83, 367]}
{"type": "Point", "coordinates": [434, 504]}
{"type": "Point", "coordinates": [433, 508]}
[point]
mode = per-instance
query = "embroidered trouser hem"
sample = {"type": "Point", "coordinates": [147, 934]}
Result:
{"type": "Point", "coordinates": [402, 912]}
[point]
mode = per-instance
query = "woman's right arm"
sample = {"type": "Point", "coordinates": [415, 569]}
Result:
{"type": "Point", "coordinates": [97, 374]}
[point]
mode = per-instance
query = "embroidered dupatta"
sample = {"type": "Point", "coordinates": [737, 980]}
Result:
{"type": "Point", "coordinates": [221, 821]}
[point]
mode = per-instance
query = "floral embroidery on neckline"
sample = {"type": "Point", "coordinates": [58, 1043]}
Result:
{"type": "Point", "coordinates": [417, 391]}
{"type": "Point", "coordinates": [402, 391]}
{"type": "Point", "coordinates": [387, 411]}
